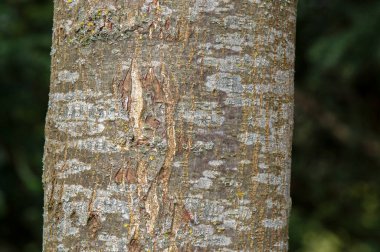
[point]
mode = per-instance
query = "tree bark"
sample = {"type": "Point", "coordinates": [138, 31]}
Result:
{"type": "Point", "coordinates": [169, 125]}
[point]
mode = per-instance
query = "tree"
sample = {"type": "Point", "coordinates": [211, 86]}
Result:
{"type": "Point", "coordinates": [169, 125]}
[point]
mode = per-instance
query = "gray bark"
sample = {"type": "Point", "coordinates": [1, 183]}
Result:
{"type": "Point", "coordinates": [169, 125]}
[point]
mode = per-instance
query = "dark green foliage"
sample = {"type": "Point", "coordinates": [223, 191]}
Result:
{"type": "Point", "coordinates": [336, 158]}
{"type": "Point", "coordinates": [25, 38]}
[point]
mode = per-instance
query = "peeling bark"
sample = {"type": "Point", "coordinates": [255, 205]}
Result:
{"type": "Point", "coordinates": [169, 126]}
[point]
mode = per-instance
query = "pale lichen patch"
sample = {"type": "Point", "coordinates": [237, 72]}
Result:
{"type": "Point", "coordinates": [268, 178]}
{"type": "Point", "coordinates": [274, 223]}
{"type": "Point", "coordinates": [234, 41]}
{"type": "Point", "coordinates": [219, 241]}
{"type": "Point", "coordinates": [216, 163]}
{"type": "Point", "coordinates": [270, 203]}
{"type": "Point", "coordinates": [230, 41]}
{"type": "Point", "coordinates": [271, 145]}
{"type": "Point", "coordinates": [98, 144]}
{"type": "Point", "coordinates": [212, 241]}
{"type": "Point", "coordinates": [114, 243]}
{"type": "Point", "coordinates": [206, 237]}
{"type": "Point", "coordinates": [210, 174]}
{"type": "Point", "coordinates": [200, 146]}
{"type": "Point", "coordinates": [80, 128]}
{"type": "Point", "coordinates": [203, 183]}
{"type": "Point", "coordinates": [67, 76]}
{"type": "Point", "coordinates": [203, 230]}
{"type": "Point", "coordinates": [104, 109]}
{"type": "Point", "coordinates": [277, 88]}
{"type": "Point", "coordinates": [261, 61]}
{"type": "Point", "coordinates": [229, 223]}
{"type": "Point", "coordinates": [225, 82]}
{"type": "Point", "coordinates": [71, 166]}
{"type": "Point", "coordinates": [71, 191]}
{"type": "Point", "coordinates": [245, 162]}
{"type": "Point", "coordinates": [248, 138]}
{"type": "Point", "coordinates": [284, 78]}
{"type": "Point", "coordinates": [242, 212]}
{"type": "Point", "coordinates": [69, 96]}
{"type": "Point", "coordinates": [263, 165]}
{"type": "Point", "coordinates": [233, 63]}
{"type": "Point", "coordinates": [111, 205]}
{"type": "Point", "coordinates": [281, 245]}
{"type": "Point", "coordinates": [239, 101]}
{"type": "Point", "coordinates": [62, 248]}
{"type": "Point", "coordinates": [239, 22]}
{"type": "Point", "coordinates": [203, 6]}
{"type": "Point", "coordinates": [205, 117]}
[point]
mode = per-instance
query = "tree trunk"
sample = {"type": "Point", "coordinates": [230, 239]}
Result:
{"type": "Point", "coordinates": [169, 125]}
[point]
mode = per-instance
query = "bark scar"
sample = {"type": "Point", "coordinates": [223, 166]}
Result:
{"type": "Point", "coordinates": [131, 92]}
{"type": "Point", "coordinates": [163, 175]}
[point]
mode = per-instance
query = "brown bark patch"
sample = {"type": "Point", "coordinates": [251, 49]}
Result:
{"type": "Point", "coordinates": [125, 89]}
{"type": "Point", "coordinates": [187, 216]}
{"type": "Point", "coordinates": [152, 122]}
{"type": "Point", "coordinates": [151, 83]}
{"type": "Point", "coordinates": [125, 175]}
{"type": "Point", "coordinates": [93, 224]}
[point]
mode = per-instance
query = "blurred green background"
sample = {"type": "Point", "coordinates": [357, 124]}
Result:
{"type": "Point", "coordinates": [336, 150]}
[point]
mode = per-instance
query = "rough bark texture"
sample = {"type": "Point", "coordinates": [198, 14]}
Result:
{"type": "Point", "coordinates": [169, 125]}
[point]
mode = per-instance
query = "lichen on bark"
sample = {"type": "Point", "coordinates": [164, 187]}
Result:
{"type": "Point", "coordinates": [169, 126]}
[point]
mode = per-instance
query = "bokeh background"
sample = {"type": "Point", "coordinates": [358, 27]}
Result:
{"type": "Point", "coordinates": [336, 146]}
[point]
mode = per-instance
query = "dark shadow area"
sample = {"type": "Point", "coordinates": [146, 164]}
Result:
{"type": "Point", "coordinates": [336, 146]}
